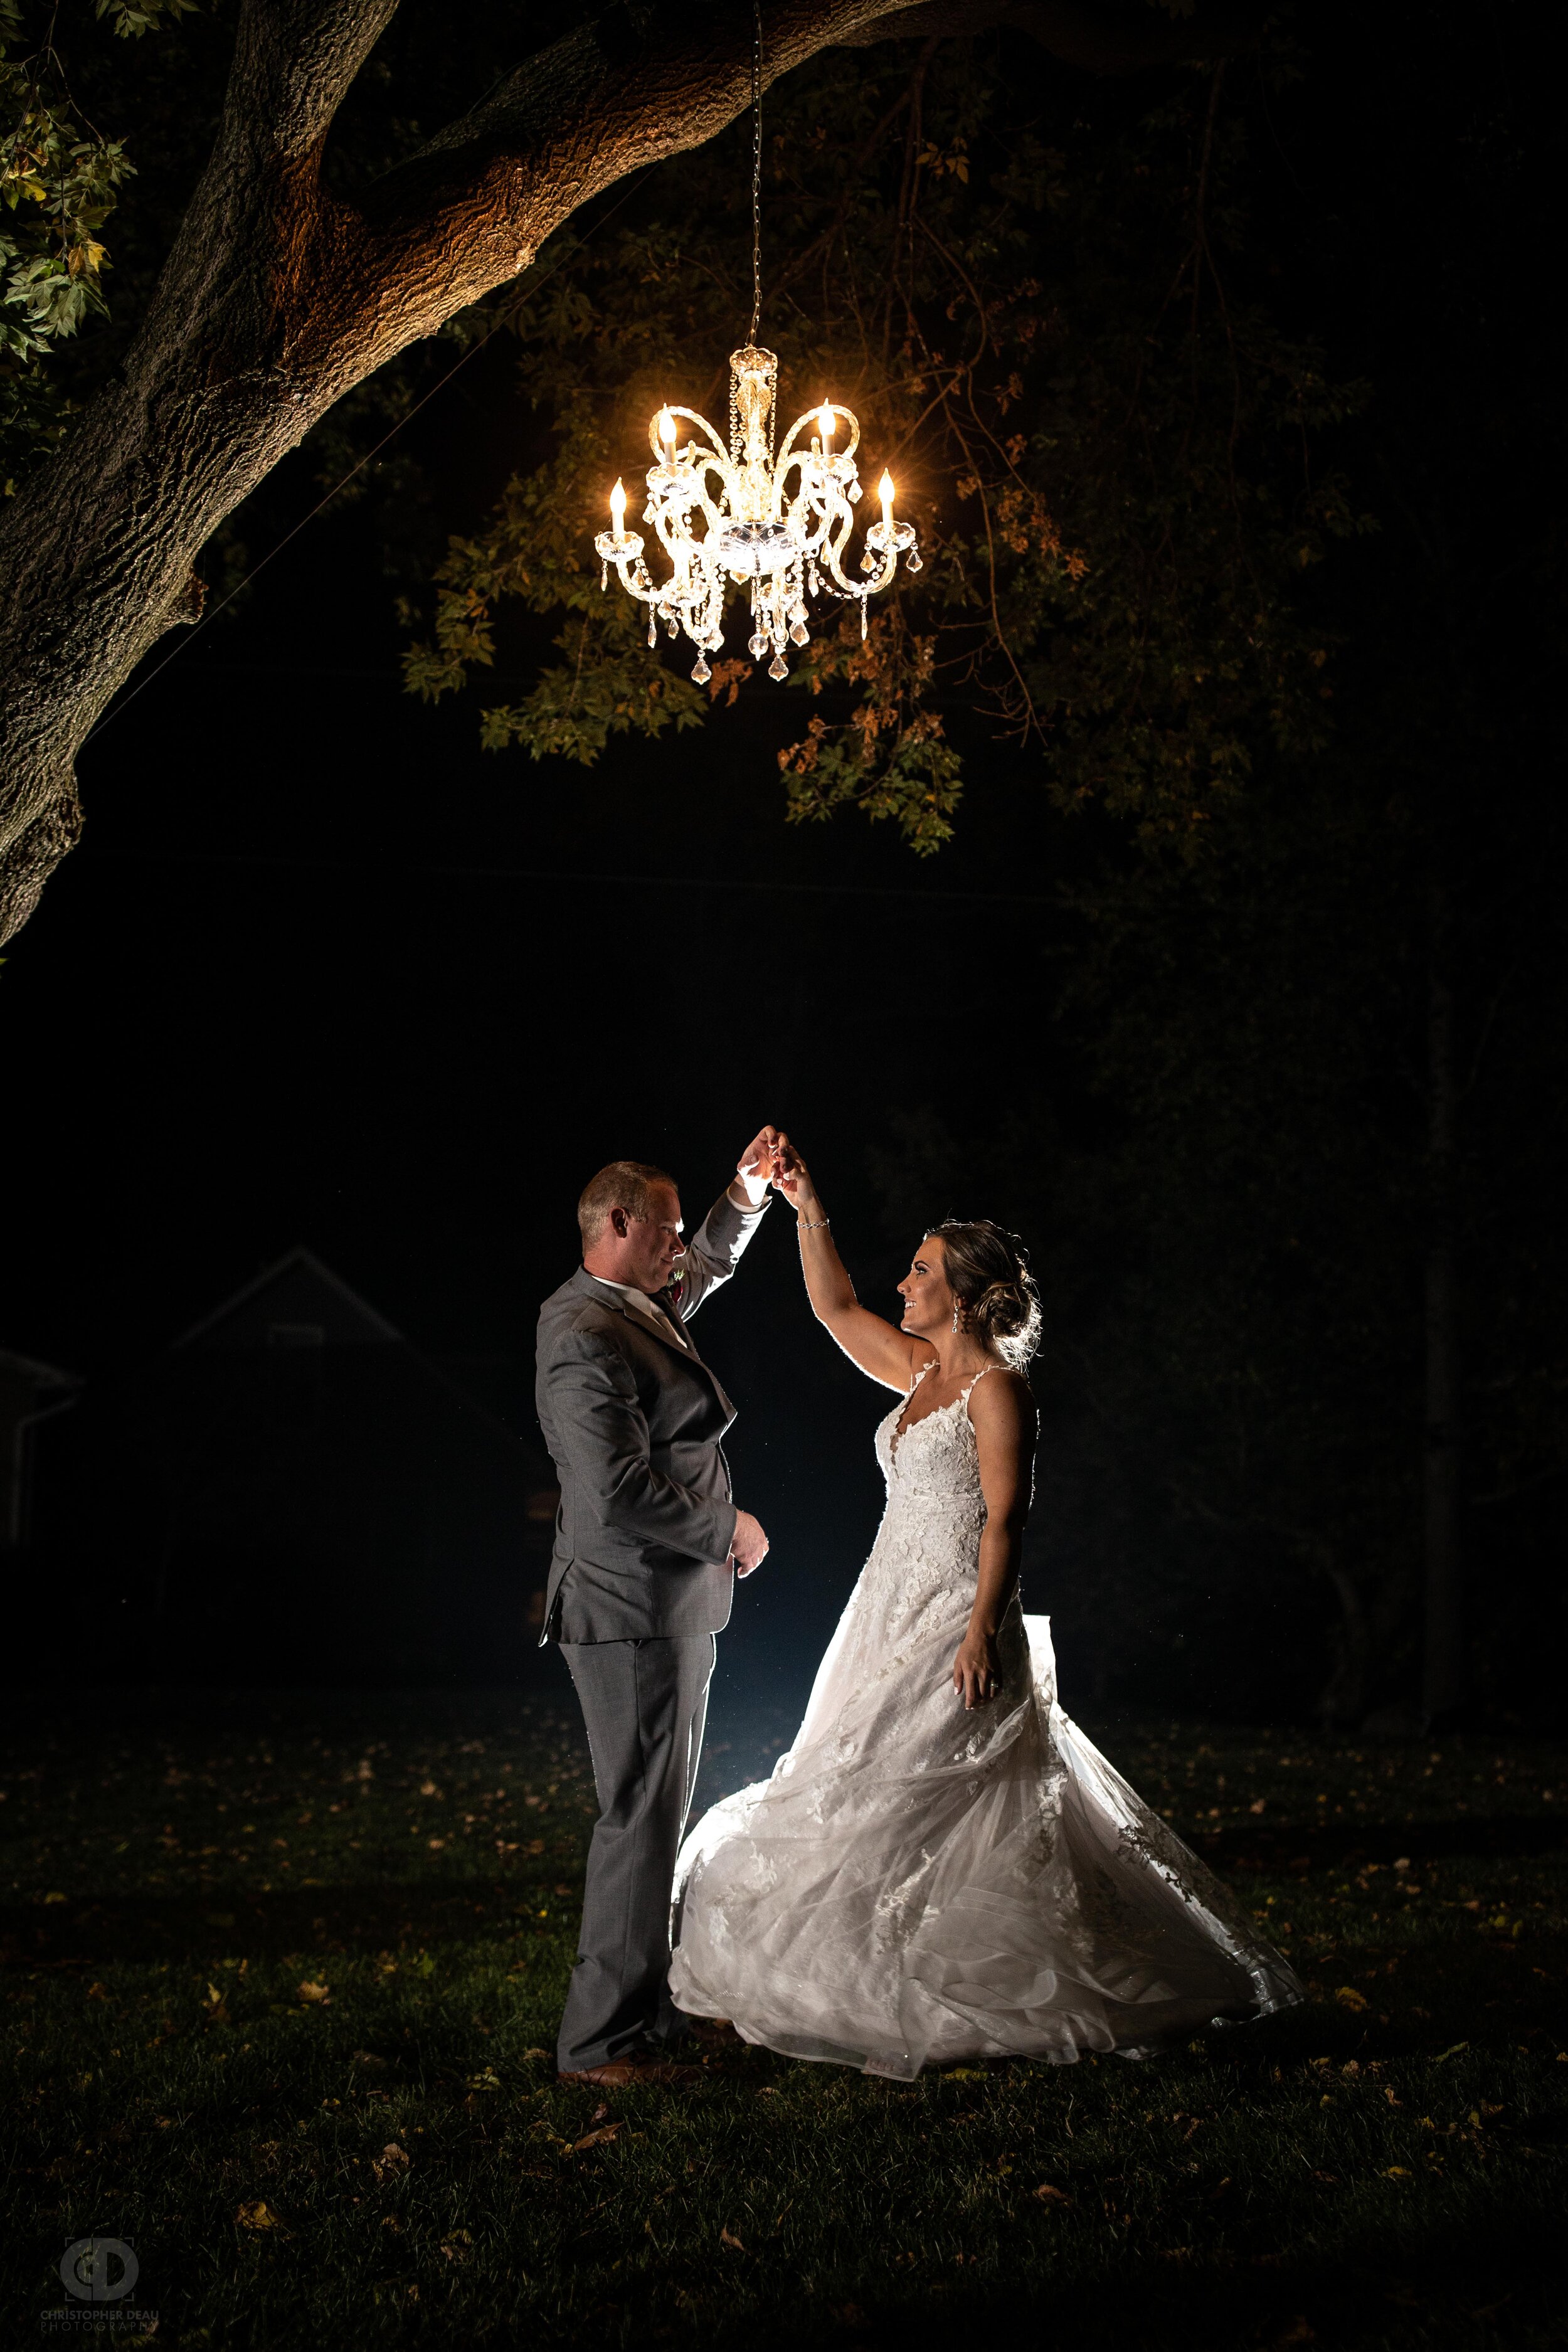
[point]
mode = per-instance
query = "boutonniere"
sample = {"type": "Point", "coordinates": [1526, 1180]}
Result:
{"type": "Point", "coordinates": [676, 1285]}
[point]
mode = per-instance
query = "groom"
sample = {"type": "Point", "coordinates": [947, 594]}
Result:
{"type": "Point", "coordinates": [640, 1579]}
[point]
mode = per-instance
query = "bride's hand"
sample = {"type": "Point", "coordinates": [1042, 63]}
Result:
{"type": "Point", "coordinates": [977, 1670]}
{"type": "Point", "coordinates": [793, 1178]}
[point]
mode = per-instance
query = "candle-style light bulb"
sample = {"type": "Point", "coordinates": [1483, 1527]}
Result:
{"type": "Point", "coordinates": [824, 424]}
{"type": "Point", "coordinates": [619, 509]}
{"type": "Point", "coordinates": [666, 434]}
{"type": "Point", "coordinates": [885, 491]}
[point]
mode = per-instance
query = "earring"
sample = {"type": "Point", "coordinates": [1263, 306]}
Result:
{"type": "Point", "coordinates": [957, 1310]}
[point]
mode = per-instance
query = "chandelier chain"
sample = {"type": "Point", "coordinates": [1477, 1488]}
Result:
{"type": "Point", "coordinates": [756, 172]}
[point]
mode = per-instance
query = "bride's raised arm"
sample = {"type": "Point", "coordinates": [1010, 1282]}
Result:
{"type": "Point", "coordinates": [881, 1350]}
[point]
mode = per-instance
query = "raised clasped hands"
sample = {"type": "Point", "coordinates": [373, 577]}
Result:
{"type": "Point", "coordinates": [792, 1177]}
{"type": "Point", "coordinates": [757, 1164]}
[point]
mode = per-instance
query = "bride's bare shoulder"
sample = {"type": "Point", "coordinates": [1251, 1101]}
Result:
{"type": "Point", "coordinates": [1002, 1400]}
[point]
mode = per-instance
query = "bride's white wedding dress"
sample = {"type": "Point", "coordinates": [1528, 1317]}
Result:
{"type": "Point", "coordinates": [917, 1885]}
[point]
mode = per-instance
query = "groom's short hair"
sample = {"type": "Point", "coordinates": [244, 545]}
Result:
{"type": "Point", "coordinates": [626, 1184]}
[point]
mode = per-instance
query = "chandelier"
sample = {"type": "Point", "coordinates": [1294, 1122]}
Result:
{"type": "Point", "coordinates": [750, 509]}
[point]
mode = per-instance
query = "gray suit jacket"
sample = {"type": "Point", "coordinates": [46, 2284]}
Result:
{"type": "Point", "coordinates": [634, 1424]}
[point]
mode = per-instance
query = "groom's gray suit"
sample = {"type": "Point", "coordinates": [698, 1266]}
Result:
{"type": "Point", "coordinates": [640, 1582]}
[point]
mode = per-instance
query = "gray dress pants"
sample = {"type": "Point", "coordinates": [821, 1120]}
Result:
{"type": "Point", "coordinates": [644, 1703]}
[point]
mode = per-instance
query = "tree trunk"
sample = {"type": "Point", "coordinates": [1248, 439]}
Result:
{"type": "Point", "coordinates": [1444, 1682]}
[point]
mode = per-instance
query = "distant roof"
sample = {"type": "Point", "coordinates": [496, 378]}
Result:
{"type": "Point", "coordinates": [298, 1300]}
{"type": "Point", "coordinates": [42, 1376]}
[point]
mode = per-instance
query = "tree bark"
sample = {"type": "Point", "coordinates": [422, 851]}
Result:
{"type": "Point", "coordinates": [1444, 1679]}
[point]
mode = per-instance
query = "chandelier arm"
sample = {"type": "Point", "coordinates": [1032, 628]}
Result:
{"type": "Point", "coordinates": [672, 548]}
{"type": "Point", "coordinates": [692, 416]}
{"type": "Point", "coordinates": [834, 545]}
{"type": "Point", "coordinates": [715, 461]}
{"type": "Point", "coordinates": [808, 423]}
{"type": "Point", "coordinates": [811, 532]}
{"type": "Point", "coordinates": [645, 593]}
{"type": "Point", "coordinates": [714, 517]}
{"type": "Point", "coordinates": [800, 461]}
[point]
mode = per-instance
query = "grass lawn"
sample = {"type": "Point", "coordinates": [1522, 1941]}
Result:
{"type": "Point", "coordinates": [279, 2006]}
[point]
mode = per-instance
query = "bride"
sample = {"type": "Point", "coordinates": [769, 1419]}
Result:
{"type": "Point", "coordinates": [943, 1867]}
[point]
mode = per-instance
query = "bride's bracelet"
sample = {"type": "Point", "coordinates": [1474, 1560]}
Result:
{"type": "Point", "coordinates": [806, 1225]}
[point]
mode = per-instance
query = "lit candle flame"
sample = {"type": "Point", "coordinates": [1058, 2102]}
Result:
{"type": "Point", "coordinates": [618, 508]}
{"type": "Point", "coordinates": [885, 491]}
{"type": "Point", "coordinates": [666, 431]}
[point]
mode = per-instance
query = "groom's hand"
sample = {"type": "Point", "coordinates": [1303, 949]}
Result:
{"type": "Point", "coordinates": [756, 1165]}
{"type": "Point", "coordinates": [749, 1547]}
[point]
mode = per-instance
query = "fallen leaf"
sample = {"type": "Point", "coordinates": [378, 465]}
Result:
{"type": "Point", "coordinates": [593, 2138]}
{"type": "Point", "coordinates": [392, 2160]}
{"type": "Point", "coordinates": [369, 2058]}
{"type": "Point", "coordinates": [1348, 1998]}
{"type": "Point", "coordinates": [487, 2079]}
{"type": "Point", "coordinates": [258, 2216]}
{"type": "Point", "coordinates": [726, 2240]}
{"type": "Point", "coordinates": [319, 1993]}
{"type": "Point", "coordinates": [1049, 2194]}
{"type": "Point", "coordinates": [1396, 2172]}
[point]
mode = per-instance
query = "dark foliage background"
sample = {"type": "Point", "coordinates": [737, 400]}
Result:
{"type": "Point", "coordinates": [326, 970]}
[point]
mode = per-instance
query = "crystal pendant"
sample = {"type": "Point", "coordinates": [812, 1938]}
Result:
{"type": "Point", "coordinates": [701, 674]}
{"type": "Point", "coordinates": [799, 632]}
{"type": "Point", "coordinates": [778, 666]}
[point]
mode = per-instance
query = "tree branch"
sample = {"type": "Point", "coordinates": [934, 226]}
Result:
{"type": "Point", "coordinates": [1113, 39]}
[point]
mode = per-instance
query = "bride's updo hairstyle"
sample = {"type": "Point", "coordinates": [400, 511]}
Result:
{"type": "Point", "coordinates": [988, 1273]}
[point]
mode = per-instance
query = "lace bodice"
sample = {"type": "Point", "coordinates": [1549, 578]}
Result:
{"type": "Point", "coordinates": [929, 1537]}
